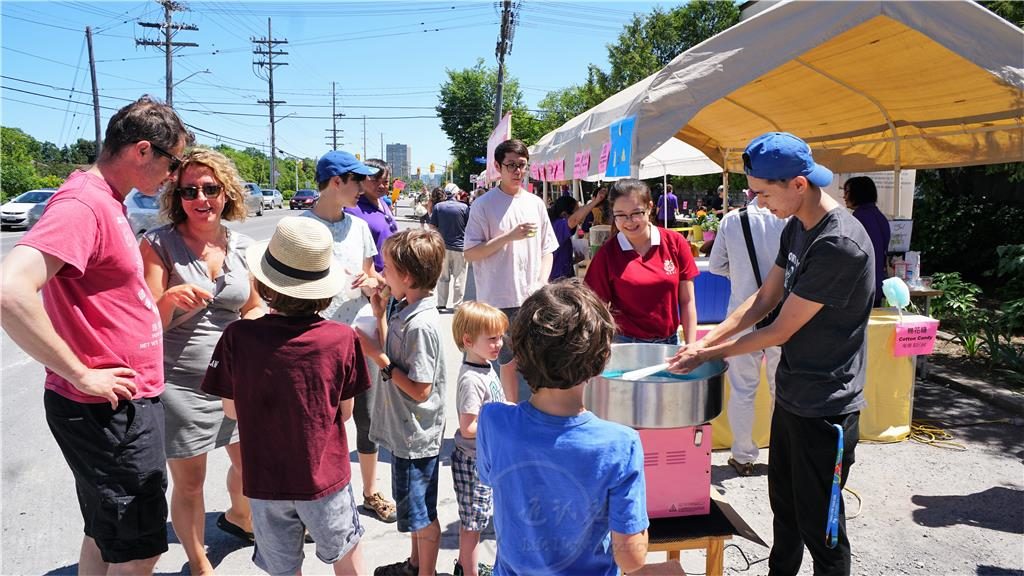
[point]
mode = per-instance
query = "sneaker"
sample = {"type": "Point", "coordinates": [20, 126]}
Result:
{"type": "Point", "coordinates": [403, 568]}
{"type": "Point", "coordinates": [481, 568]}
{"type": "Point", "coordinates": [742, 468]}
{"type": "Point", "coordinates": [381, 506]}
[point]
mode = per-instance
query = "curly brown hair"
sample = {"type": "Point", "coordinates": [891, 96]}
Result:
{"type": "Point", "coordinates": [562, 335]}
{"type": "Point", "coordinates": [224, 172]}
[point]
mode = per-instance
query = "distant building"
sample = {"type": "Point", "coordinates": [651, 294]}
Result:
{"type": "Point", "coordinates": [399, 158]}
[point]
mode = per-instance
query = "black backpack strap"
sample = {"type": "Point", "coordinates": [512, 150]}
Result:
{"type": "Point", "coordinates": [748, 237]}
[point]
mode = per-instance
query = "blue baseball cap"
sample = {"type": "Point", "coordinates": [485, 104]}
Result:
{"type": "Point", "coordinates": [781, 156]}
{"type": "Point", "coordinates": [339, 162]}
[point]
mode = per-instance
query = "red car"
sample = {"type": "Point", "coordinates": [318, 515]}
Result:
{"type": "Point", "coordinates": [304, 199]}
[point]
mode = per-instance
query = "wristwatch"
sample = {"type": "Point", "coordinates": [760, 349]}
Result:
{"type": "Point", "coordinates": [385, 372]}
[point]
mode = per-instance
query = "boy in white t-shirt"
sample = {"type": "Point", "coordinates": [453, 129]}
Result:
{"type": "Point", "coordinates": [479, 330]}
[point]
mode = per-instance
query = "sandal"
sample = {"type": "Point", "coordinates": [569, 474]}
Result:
{"type": "Point", "coordinates": [381, 506]}
{"type": "Point", "coordinates": [234, 529]}
{"type": "Point", "coordinates": [742, 468]}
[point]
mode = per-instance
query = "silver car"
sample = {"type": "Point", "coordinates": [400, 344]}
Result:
{"type": "Point", "coordinates": [14, 214]}
{"type": "Point", "coordinates": [254, 198]}
{"type": "Point", "coordinates": [272, 198]}
{"type": "Point", "coordinates": [143, 212]}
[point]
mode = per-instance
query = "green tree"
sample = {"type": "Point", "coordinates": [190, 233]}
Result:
{"type": "Point", "coordinates": [651, 41]}
{"type": "Point", "coordinates": [17, 166]}
{"type": "Point", "coordinates": [466, 109]}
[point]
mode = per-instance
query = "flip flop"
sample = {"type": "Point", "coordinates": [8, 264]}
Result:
{"type": "Point", "coordinates": [235, 530]}
{"type": "Point", "coordinates": [742, 469]}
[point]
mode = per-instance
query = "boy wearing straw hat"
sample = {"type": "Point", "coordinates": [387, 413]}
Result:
{"type": "Point", "coordinates": [289, 378]}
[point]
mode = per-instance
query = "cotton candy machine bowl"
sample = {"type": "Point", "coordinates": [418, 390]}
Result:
{"type": "Point", "coordinates": [660, 400]}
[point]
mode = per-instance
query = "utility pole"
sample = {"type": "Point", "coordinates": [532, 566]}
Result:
{"type": "Point", "coordinates": [382, 157]}
{"type": "Point", "coordinates": [364, 136]}
{"type": "Point", "coordinates": [169, 28]}
{"type": "Point", "coordinates": [95, 90]}
{"type": "Point", "coordinates": [334, 130]}
{"type": "Point", "coordinates": [508, 30]}
{"type": "Point", "coordinates": [269, 64]}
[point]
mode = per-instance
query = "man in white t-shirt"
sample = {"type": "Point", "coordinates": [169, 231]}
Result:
{"type": "Point", "coordinates": [730, 258]}
{"type": "Point", "coordinates": [510, 242]}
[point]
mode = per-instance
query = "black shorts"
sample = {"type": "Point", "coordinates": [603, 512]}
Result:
{"type": "Point", "coordinates": [119, 463]}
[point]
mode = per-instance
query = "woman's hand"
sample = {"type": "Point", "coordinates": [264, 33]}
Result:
{"type": "Point", "coordinates": [187, 297]}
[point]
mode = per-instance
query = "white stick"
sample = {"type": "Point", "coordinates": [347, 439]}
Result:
{"type": "Point", "coordinates": [642, 373]}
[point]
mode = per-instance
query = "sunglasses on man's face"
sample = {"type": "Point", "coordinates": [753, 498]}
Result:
{"type": "Point", "coordinates": [175, 162]}
{"type": "Point", "coordinates": [192, 192]}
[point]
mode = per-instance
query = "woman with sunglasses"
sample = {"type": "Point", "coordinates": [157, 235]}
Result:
{"type": "Point", "coordinates": [196, 268]}
{"type": "Point", "coordinates": [644, 272]}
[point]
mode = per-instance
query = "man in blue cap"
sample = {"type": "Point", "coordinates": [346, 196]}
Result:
{"type": "Point", "coordinates": [823, 278]}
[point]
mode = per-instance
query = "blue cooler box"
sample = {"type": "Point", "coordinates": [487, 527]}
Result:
{"type": "Point", "coordinates": [712, 293]}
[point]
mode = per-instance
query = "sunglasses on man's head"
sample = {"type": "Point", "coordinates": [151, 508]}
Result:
{"type": "Point", "coordinates": [192, 192]}
{"type": "Point", "coordinates": [747, 166]}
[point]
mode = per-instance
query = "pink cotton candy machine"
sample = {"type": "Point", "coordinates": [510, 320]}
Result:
{"type": "Point", "coordinates": [671, 414]}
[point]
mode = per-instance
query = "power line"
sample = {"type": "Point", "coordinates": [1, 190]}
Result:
{"type": "Point", "coordinates": [169, 28]}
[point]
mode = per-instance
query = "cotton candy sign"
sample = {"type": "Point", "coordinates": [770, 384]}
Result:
{"type": "Point", "coordinates": [915, 336]}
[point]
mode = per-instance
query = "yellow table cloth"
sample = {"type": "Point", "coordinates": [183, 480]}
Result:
{"type": "Point", "coordinates": [888, 389]}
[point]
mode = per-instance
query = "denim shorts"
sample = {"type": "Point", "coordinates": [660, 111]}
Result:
{"type": "Point", "coordinates": [506, 356]}
{"type": "Point", "coordinates": [117, 458]}
{"type": "Point", "coordinates": [279, 525]}
{"type": "Point", "coordinates": [414, 487]}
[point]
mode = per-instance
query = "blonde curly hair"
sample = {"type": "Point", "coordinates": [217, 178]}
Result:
{"type": "Point", "coordinates": [224, 172]}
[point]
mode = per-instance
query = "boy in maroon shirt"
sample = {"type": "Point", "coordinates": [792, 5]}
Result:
{"type": "Point", "coordinates": [289, 378]}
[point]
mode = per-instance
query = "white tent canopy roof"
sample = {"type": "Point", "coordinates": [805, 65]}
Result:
{"type": "Point", "coordinates": [870, 85]}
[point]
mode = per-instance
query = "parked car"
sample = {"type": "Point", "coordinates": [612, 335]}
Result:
{"type": "Point", "coordinates": [14, 214]}
{"type": "Point", "coordinates": [304, 199]}
{"type": "Point", "coordinates": [272, 198]}
{"type": "Point", "coordinates": [143, 212]}
{"type": "Point", "coordinates": [35, 213]}
{"type": "Point", "coordinates": [254, 198]}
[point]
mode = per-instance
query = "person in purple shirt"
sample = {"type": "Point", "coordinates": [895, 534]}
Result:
{"type": "Point", "coordinates": [861, 196]}
{"type": "Point", "coordinates": [566, 214]}
{"type": "Point", "coordinates": [372, 208]}
{"type": "Point", "coordinates": [670, 201]}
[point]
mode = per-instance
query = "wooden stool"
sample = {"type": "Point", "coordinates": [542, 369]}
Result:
{"type": "Point", "coordinates": [708, 533]}
{"type": "Point", "coordinates": [714, 546]}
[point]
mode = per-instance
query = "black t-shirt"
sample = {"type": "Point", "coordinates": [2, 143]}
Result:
{"type": "Point", "coordinates": [823, 364]}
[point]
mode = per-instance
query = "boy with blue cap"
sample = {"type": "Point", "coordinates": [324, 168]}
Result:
{"type": "Point", "coordinates": [823, 275]}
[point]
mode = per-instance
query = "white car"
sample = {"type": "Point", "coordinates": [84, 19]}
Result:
{"type": "Point", "coordinates": [272, 198]}
{"type": "Point", "coordinates": [15, 213]}
{"type": "Point", "coordinates": [143, 212]}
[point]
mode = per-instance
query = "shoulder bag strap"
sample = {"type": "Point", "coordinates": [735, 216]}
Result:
{"type": "Point", "coordinates": [749, 239]}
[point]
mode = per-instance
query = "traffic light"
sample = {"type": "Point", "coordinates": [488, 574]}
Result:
{"type": "Point", "coordinates": [431, 167]}
{"type": "Point", "coordinates": [417, 172]}
{"type": "Point", "coordinates": [357, 156]}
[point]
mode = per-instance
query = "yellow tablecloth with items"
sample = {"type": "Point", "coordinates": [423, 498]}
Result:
{"type": "Point", "coordinates": [888, 389]}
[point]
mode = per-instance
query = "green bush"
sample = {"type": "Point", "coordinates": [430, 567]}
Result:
{"type": "Point", "coordinates": [287, 194]}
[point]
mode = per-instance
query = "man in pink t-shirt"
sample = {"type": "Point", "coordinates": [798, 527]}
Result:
{"type": "Point", "coordinates": [97, 332]}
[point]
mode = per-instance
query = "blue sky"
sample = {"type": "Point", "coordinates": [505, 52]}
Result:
{"type": "Point", "coordinates": [388, 59]}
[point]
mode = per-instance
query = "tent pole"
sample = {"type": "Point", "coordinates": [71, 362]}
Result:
{"type": "Point", "coordinates": [725, 181]}
{"type": "Point", "coordinates": [664, 190]}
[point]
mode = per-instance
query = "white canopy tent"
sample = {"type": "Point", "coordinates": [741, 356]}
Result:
{"type": "Point", "coordinates": [870, 85]}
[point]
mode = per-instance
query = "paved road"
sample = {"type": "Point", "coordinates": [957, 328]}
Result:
{"type": "Point", "coordinates": [926, 510]}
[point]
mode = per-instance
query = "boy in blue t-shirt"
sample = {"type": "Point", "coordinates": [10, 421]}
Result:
{"type": "Point", "coordinates": [569, 494]}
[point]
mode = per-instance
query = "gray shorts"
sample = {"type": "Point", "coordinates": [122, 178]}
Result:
{"type": "Point", "coordinates": [279, 525]}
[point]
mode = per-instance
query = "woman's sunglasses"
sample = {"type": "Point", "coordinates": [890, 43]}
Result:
{"type": "Point", "coordinates": [192, 192]}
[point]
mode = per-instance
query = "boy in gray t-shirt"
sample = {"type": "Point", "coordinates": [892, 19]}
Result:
{"type": "Point", "coordinates": [478, 330]}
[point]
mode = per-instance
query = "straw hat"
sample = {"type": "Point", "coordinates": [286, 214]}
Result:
{"type": "Point", "coordinates": [298, 260]}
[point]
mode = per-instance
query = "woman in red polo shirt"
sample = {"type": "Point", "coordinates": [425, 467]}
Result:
{"type": "Point", "coordinates": [644, 272]}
